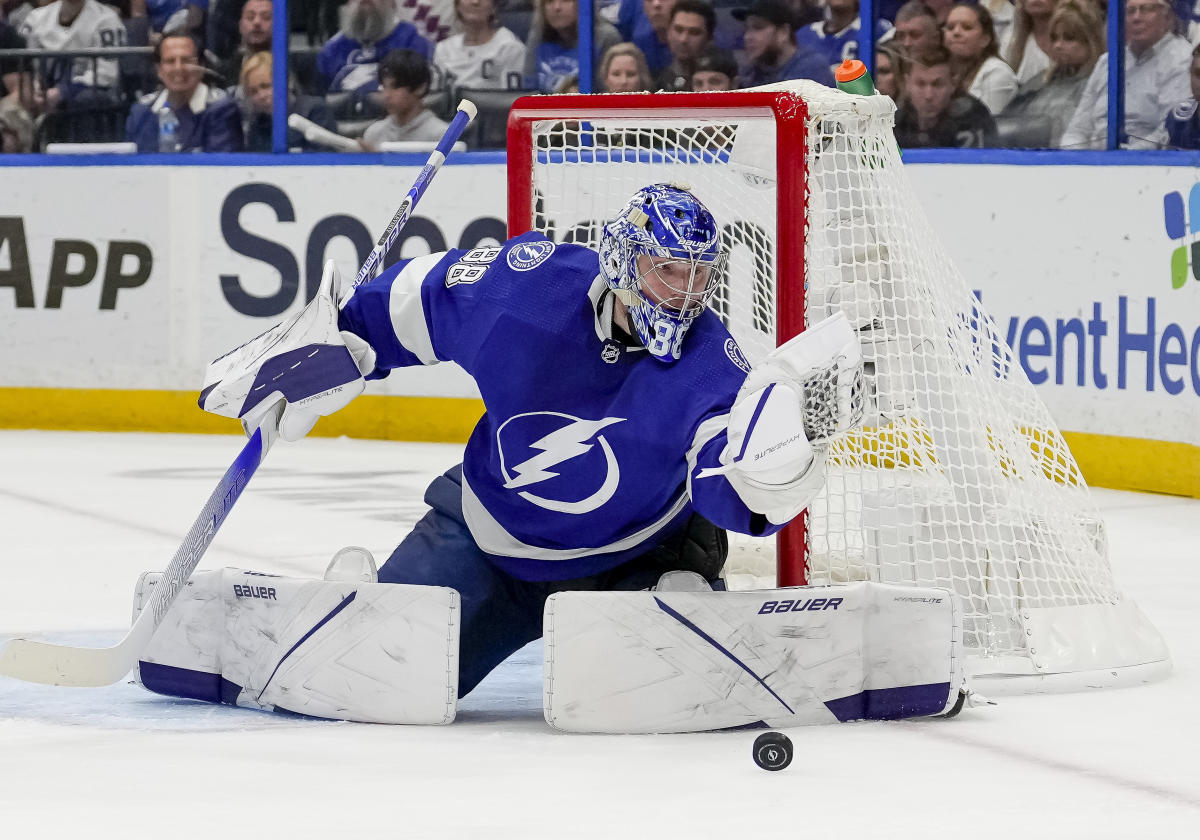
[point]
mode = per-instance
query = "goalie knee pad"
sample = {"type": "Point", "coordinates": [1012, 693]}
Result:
{"type": "Point", "coordinates": [346, 650]}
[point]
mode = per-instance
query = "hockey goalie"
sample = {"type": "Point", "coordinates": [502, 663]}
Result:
{"type": "Point", "coordinates": [625, 433]}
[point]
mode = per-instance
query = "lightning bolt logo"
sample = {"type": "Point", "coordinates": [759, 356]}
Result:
{"type": "Point", "coordinates": [529, 255]}
{"type": "Point", "coordinates": [563, 444]}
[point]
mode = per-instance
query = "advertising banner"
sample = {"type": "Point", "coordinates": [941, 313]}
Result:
{"type": "Point", "coordinates": [132, 278]}
{"type": "Point", "coordinates": [137, 277]}
{"type": "Point", "coordinates": [1093, 275]}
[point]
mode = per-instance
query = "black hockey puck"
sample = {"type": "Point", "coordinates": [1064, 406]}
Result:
{"type": "Point", "coordinates": [772, 751]}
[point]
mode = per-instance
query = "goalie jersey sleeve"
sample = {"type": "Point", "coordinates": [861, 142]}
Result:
{"type": "Point", "coordinates": [586, 455]}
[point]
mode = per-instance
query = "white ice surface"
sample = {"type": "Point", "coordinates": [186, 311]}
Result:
{"type": "Point", "coordinates": [82, 514]}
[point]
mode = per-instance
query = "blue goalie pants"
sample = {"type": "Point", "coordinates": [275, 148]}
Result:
{"type": "Point", "coordinates": [501, 613]}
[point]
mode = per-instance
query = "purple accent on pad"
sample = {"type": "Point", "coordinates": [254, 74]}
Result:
{"type": "Point", "coordinates": [345, 602]}
{"type": "Point", "coordinates": [754, 420]}
{"type": "Point", "coordinates": [892, 703]}
{"type": "Point", "coordinates": [180, 682]}
{"type": "Point", "coordinates": [301, 373]}
{"type": "Point", "coordinates": [230, 691]}
{"type": "Point", "coordinates": [689, 625]}
{"type": "Point", "coordinates": [205, 393]}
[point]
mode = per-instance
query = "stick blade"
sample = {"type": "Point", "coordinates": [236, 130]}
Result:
{"type": "Point", "coordinates": [50, 664]}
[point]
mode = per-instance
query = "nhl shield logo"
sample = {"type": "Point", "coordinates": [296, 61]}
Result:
{"type": "Point", "coordinates": [526, 256]}
{"type": "Point", "coordinates": [611, 352]}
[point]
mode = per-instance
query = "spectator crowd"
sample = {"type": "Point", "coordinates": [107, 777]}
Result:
{"type": "Point", "coordinates": [199, 76]}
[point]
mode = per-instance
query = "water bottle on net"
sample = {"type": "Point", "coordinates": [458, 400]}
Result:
{"type": "Point", "coordinates": [168, 131]}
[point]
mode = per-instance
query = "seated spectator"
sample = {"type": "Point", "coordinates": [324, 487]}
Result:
{"type": "Point", "coordinates": [624, 69]}
{"type": "Point", "coordinates": [14, 79]}
{"type": "Point", "coordinates": [689, 33]}
{"type": "Point", "coordinates": [221, 31]}
{"type": "Point", "coordinates": [805, 12]}
{"type": "Point", "coordinates": [67, 25]}
{"type": "Point", "coordinates": [715, 70]}
{"type": "Point", "coordinates": [836, 37]}
{"type": "Point", "coordinates": [171, 17]}
{"type": "Point", "coordinates": [16, 127]}
{"type": "Point", "coordinates": [1157, 65]}
{"type": "Point", "coordinates": [552, 51]}
{"type": "Point", "coordinates": [485, 54]}
{"type": "Point", "coordinates": [891, 70]}
{"type": "Point", "coordinates": [1003, 14]}
{"type": "Point", "coordinates": [935, 113]}
{"type": "Point", "coordinates": [941, 9]}
{"type": "Point", "coordinates": [404, 80]}
{"type": "Point", "coordinates": [916, 28]}
{"type": "Point", "coordinates": [1028, 52]}
{"type": "Point", "coordinates": [254, 31]}
{"type": "Point", "coordinates": [609, 10]}
{"type": "Point", "coordinates": [1183, 123]}
{"type": "Point", "coordinates": [771, 47]}
{"type": "Point", "coordinates": [16, 92]}
{"type": "Point", "coordinates": [645, 23]}
{"type": "Point", "coordinates": [257, 93]}
{"type": "Point", "coordinates": [974, 56]}
{"type": "Point", "coordinates": [15, 11]}
{"type": "Point", "coordinates": [185, 115]}
{"type": "Point", "coordinates": [350, 60]}
{"type": "Point", "coordinates": [1045, 103]}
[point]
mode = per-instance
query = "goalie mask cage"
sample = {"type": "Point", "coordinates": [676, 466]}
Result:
{"type": "Point", "coordinates": [959, 479]}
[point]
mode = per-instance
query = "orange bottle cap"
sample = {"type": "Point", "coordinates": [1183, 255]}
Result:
{"type": "Point", "coordinates": [849, 70]}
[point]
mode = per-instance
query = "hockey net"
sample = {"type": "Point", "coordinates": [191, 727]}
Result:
{"type": "Point", "coordinates": [960, 478]}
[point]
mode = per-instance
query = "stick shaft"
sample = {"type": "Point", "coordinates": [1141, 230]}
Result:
{"type": "Point", "coordinates": [466, 113]}
{"type": "Point", "coordinates": [63, 665]}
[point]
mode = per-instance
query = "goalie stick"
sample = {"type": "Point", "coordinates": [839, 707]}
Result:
{"type": "Point", "coordinates": [42, 662]}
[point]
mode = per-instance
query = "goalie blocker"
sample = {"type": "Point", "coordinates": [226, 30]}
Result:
{"type": "Point", "coordinates": [618, 662]}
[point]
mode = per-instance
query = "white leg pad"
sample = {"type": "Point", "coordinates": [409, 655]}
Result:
{"type": "Point", "coordinates": [632, 662]}
{"type": "Point", "coordinates": [372, 652]}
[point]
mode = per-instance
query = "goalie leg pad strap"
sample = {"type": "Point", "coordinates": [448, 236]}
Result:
{"type": "Point", "coordinates": [637, 662]}
{"type": "Point", "coordinates": [377, 653]}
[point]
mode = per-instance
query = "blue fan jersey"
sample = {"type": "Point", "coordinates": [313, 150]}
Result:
{"type": "Point", "coordinates": [587, 454]}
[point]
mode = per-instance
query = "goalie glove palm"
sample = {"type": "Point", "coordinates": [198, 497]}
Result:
{"type": "Point", "coordinates": [306, 363]}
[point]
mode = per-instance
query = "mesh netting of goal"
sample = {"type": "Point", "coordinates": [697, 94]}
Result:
{"type": "Point", "coordinates": [959, 478]}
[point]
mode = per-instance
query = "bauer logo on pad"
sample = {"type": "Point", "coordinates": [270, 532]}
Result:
{"type": "Point", "coordinates": [525, 256]}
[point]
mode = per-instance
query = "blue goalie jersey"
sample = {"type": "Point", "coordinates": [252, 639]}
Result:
{"type": "Point", "coordinates": [587, 452]}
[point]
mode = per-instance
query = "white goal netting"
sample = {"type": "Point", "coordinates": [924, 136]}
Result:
{"type": "Point", "coordinates": [960, 478]}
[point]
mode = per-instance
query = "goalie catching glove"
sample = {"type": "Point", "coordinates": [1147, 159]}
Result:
{"type": "Point", "coordinates": [305, 363]}
{"type": "Point", "coordinates": [791, 403]}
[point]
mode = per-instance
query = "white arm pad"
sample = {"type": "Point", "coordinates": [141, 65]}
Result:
{"type": "Point", "coordinates": [305, 362]}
